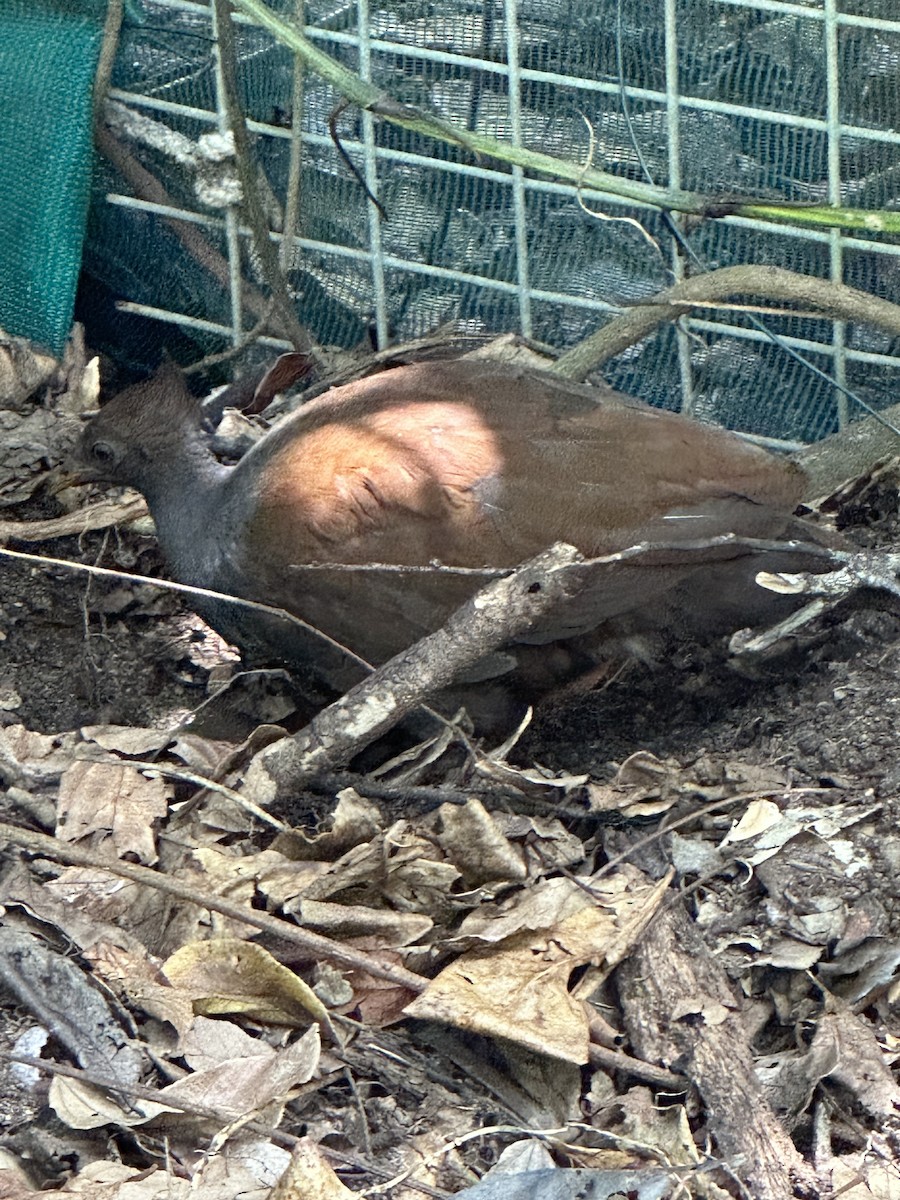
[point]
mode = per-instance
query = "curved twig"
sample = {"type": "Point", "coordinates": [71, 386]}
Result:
{"type": "Point", "coordinates": [774, 283]}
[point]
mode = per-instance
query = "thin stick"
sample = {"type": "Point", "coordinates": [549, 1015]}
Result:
{"type": "Point", "coordinates": [314, 944]}
{"type": "Point", "coordinates": [246, 165]}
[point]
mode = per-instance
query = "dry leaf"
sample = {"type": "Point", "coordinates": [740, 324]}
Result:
{"type": "Point", "coordinates": [309, 1177]}
{"type": "Point", "coordinates": [519, 988]}
{"type": "Point", "coordinates": [109, 1181]}
{"type": "Point", "coordinates": [518, 991]}
{"type": "Point", "coordinates": [83, 1106]}
{"type": "Point", "coordinates": [42, 756]}
{"type": "Point", "coordinates": [758, 817]}
{"type": "Point", "coordinates": [238, 1076]}
{"type": "Point", "coordinates": [474, 843]}
{"type": "Point", "coordinates": [112, 798]}
{"type": "Point", "coordinates": [225, 975]}
{"type": "Point", "coordinates": [135, 975]}
{"type": "Point", "coordinates": [355, 820]}
{"type": "Point", "coordinates": [124, 739]}
{"type": "Point", "coordinates": [862, 1176]}
{"type": "Point", "coordinates": [346, 921]}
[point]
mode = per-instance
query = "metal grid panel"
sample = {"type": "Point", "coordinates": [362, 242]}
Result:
{"type": "Point", "coordinates": [753, 97]}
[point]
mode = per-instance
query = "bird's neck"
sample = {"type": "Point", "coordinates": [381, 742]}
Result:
{"type": "Point", "coordinates": [186, 497]}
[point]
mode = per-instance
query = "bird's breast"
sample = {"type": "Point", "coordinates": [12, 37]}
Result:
{"type": "Point", "coordinates": [408, 484]}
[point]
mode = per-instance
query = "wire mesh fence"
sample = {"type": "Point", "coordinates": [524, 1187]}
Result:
{"type": "Point", "coordinates": [730, 98]}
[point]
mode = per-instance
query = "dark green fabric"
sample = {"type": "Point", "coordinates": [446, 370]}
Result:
{"type": "Point", "coordinates": [48, 56]}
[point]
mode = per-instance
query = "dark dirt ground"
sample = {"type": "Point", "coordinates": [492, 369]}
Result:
{"type": "Point", "coordinates": [79, 651]}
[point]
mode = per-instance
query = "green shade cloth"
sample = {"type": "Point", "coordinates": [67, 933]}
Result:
{"type": "Point", "coordinates": [48, 56]}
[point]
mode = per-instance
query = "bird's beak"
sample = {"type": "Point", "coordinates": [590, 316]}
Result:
{"type": "Point", "coordinates": [61, 478]}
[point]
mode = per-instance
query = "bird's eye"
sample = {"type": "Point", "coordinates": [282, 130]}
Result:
{"type": "Point", "coordinates": [102, 453]}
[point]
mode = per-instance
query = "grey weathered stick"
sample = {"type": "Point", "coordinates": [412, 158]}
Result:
{"type": "Point", "coordinates": [849, 453]}
{"type": "Point", "coordinates": [498, 613]}
{"type": "Point", "coordinates": [682, 1012]}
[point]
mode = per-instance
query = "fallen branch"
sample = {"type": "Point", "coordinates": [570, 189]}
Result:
{"type": "Point", "coordinates": [869, 569]}
{"type": "Point", "coordinates": [102, 515]}
{"type": "Point", "coordinates": [681, 1011]}
{"type": "Point", "coordinates": [850, 453]}
{"type": "Point", "coordinates": [498, 613]}
{"type": "Point", "coordinates": [835, 300]}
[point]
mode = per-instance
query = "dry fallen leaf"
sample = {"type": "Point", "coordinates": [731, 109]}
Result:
{"type": "Point", "coordinates": [309, 1177]}
{"type": "Point", "coordinates": [474, 843]}
{"type": "Point", "coordinates": [518, 988]}
{"type": "Point", "coordinates": [225, 975]}
{"type": "Point", "coordinates": [354, 820]}
{"type": "Point", "coordinates": [106, 1181]}
{"type": "Point", "coordinates": [237, 1076]}
{"type": "Point", "coordinates": [112, 798]}
{"type": "Point", "coordinates": [125, 739]}
{"type": "Point", "coordinates": [134, 974]}
{"type": "Point", "coordinates": [82, 1106]}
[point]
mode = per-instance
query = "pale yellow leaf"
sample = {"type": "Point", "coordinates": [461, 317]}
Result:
{"type": "Point", "coordinates": [226, 975]}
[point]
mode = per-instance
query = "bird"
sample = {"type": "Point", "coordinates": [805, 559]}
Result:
{"type": "Point", "coordinates": [370, 511]}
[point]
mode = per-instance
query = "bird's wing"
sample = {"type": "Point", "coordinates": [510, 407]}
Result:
{"type": "Point", "coordinates": [473, 466]}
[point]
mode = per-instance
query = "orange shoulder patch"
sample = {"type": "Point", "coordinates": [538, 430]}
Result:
{"type": "Point", "coordinates": [347, 481]}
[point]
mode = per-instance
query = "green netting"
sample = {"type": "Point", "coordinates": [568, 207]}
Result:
{"type": "Point", "coordinates": [48, 57]}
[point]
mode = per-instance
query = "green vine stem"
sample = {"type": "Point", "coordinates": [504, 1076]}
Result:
{"type": "Point", "coordinates": [369, 97]}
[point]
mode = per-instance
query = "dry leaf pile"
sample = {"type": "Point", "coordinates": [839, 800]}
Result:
{"type": "Point", "coordinates": [673, 975]}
